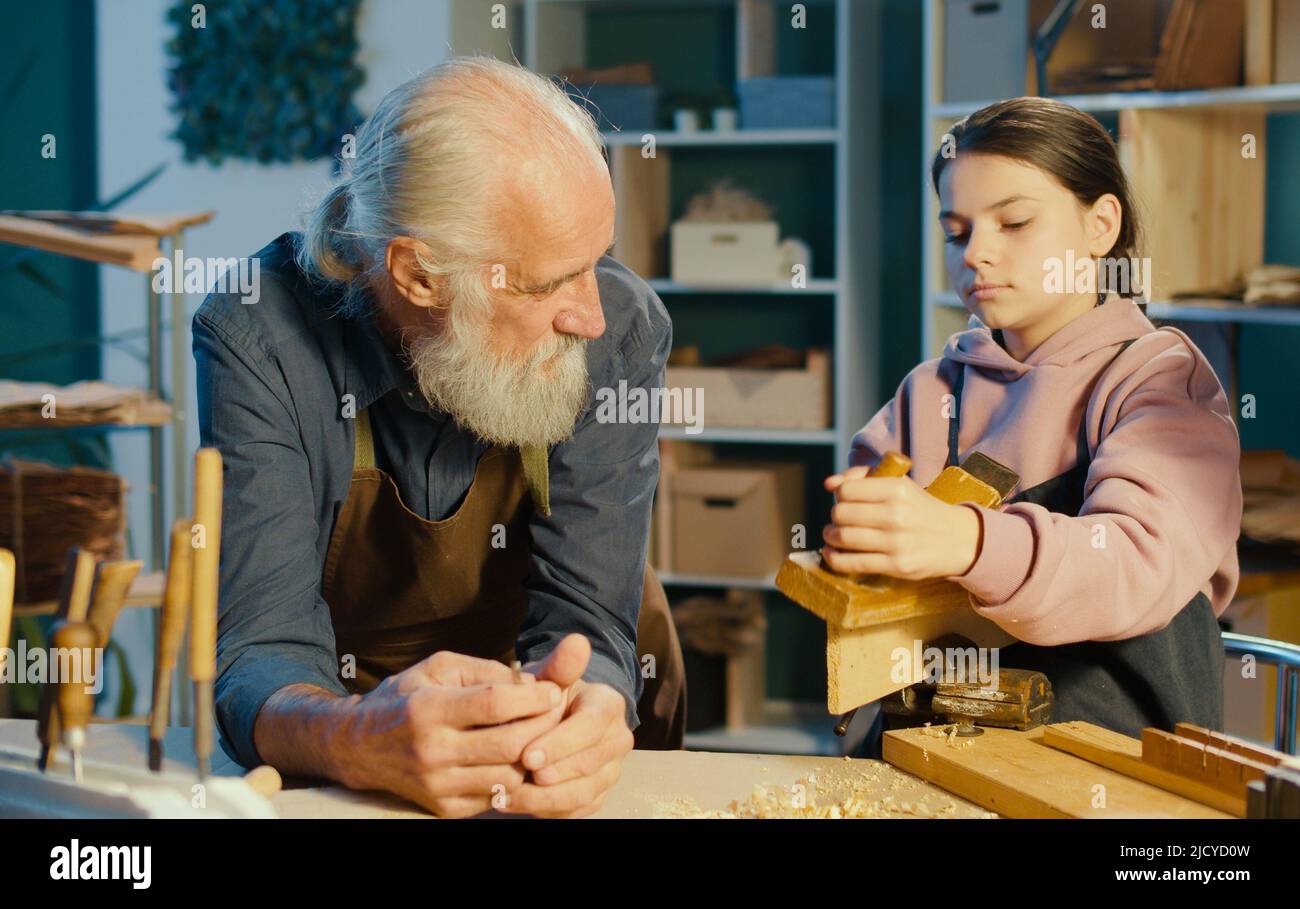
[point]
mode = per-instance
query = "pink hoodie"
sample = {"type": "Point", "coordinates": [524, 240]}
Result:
{"type": "Point", "coordinates": [1164, 481]}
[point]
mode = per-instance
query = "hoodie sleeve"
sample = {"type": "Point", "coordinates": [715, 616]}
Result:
{"type": "Point", "coordinates": [1162, 513]}
{"type": "Point", "coordinates": [887, 430]}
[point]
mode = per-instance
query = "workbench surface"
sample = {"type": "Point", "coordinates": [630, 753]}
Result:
{"type": "Point", "coordinates": [653, 785]}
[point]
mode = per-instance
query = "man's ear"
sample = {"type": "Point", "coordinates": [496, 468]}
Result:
{"type": "Point", "coordinates": [409, 279]}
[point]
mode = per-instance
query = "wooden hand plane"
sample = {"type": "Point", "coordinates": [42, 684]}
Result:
{"type": "Point", "coordinates": [873, 623]}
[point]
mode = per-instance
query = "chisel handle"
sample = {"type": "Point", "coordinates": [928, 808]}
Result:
{"type": "Point", "coordinates": [171, 625]}
{"type": "Point", "coordinates": [112, 582]}
{"type": "Point", "coordinates": [74, 604]}
{"type": "Point", "coordinates": [76, 702]}
{"type": "Point", "coordinates": [8, 571]}
{"type": "Point", "coordinates": [203, 596]}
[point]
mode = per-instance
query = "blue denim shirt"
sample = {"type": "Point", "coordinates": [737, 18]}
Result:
{"type": "Point", "coordinates": [271, 379]}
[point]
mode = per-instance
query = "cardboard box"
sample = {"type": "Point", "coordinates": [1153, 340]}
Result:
{"type": "Point", "coordinates": [735, 518]}
{"type": "Point", "coordinates": [726, 254]}
{"type": "Point", "coordinates": [755, 398]}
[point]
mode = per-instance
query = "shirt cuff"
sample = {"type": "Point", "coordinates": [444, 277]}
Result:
{"type": "Point", "coordinates": [602, 670]}
{"type": "Point", "coordinates": [1006, 553]}
{"type": "Point", "coordinates": [244, 688]}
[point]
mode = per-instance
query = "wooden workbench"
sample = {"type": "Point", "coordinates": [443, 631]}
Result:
{"type": "Point", "coordinates": [653, 785]}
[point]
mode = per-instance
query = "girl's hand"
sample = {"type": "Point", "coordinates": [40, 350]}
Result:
{"type": "Point", "coordinates": [891, 526]}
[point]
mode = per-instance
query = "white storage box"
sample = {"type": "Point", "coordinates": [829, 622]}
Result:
{"type": "Point", "coordinates": [726, 254]}
{"type": "Point", "coordinates": [757, 398]}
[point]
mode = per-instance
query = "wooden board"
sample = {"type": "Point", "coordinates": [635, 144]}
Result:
{"type": "Point", "coordinates": [1123, 754]}
{"type": "Point", "coordinates": [862, 664]}
{"type": "Point", "coordinates": [1016, 775]}
{"type": "Point", "coordinates": [1206, 200]}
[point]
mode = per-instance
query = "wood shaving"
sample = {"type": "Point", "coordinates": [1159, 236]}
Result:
{"type": "Point", "coordinates": [832, 793]}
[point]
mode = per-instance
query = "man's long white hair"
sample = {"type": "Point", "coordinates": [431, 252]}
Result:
{"type": "Point", "coordinates": [433, 163]}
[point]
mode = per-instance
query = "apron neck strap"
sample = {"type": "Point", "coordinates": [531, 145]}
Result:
{"type": "Point", "coordinates": [363, 452]}
{"type": "Point", "coordinates": [537, 476]}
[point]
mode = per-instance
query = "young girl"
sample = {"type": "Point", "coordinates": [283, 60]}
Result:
{"type": "Point", "coordinates": [1117, 552]}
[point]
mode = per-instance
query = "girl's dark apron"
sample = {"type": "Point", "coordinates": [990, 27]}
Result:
{"type": "Point", "coordinates": [400, 587]}
{"type": "Point", "coordinates": [1174, 675]}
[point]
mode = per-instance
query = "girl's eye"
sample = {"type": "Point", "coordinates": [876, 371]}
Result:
{"type": "Point", "coordinates": [1016, 226]}
{"type": "Point", "coordinates": [954, 238]}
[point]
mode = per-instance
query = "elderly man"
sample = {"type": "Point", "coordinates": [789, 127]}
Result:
{"type": "Point", "coordinates": [417, 488]}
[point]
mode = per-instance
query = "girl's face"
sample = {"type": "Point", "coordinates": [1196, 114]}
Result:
{"type": "Point", "coordinates": [1007, 225]}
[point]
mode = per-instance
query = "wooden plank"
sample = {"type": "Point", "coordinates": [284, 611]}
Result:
{"type": "Point", "coordinates": [641, 209]}
{"type": "Point", "coordinates": [1016, 775]}
{"type": "Point", "coordinates": [134, 251]}
{"type": "Point", "coordinates": [1188, 166]}
{"type": "Point", "coordinates": [1258, 62]}
{"type": "Point", "coordinates": [862, 664]}
{"type": "Point", "coordinates": [1219, 769]}
{"type": "Point", "coordinates": [1234, 745]}
{"type": "Point", "coordinates": [1124, 754]}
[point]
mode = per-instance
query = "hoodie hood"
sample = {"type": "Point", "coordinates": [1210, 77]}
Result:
{"type": "Point", "coordinates": [1116, 320]}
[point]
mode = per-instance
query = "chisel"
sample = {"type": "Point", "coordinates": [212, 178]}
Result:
{"type": "Point", "coordinates": [75, 700]}
{"type": "Point", "coordinates": [74, 603]}
{"type": "Point", "coordinates": [7, 574]}
{"type": "Point", "coordinates": [203, 599]}
{"type": "Point", "coordinates": [171, 628]}
{"type": "Point", "coordinates": [112, 581]}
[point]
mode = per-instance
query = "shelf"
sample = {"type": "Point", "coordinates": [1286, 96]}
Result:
{"type": "Point", "coordinates": [673, 578]}
{"type": "Point", "coordinates": [149, 414]}
{"type": "Point", "coordinates": [1267, 97]}
{"type": "Point", "coordinates": [136, 251]}
{"type": "Point", "coordinates": [761, 436]}
{"type": "Point", "coordinates": [724, 138]}
{"type": "Point", "coordinates": [1206, 311]}
{"type": "Point", "coordinates": [815, 286]}
{"type": "Point", "coordinates": [146, 592]}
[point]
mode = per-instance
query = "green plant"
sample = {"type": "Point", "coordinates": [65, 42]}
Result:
{"type": "Point", "coordinates": [268, 81]}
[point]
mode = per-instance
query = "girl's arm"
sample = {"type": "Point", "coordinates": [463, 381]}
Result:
{"type": "Point", "coordinates": [1161, 518]}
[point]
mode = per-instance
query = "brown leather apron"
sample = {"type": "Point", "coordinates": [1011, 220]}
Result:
{"type": "Point", "coordinates": [401, 588]}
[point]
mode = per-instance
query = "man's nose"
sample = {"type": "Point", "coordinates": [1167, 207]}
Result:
{"type": "Point", "coordinates": [583, 315]}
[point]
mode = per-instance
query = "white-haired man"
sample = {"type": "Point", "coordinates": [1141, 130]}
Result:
{"type": "Point", "coordinates": [417, 488]}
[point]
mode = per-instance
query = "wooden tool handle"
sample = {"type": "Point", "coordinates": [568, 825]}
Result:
{"type": "Point", "coordinates": [264, 779]}
{"type": "Point", "coordinates": [203, 601]}
{"type": "Point", "coordinates": [892, 464]}
{"type": "Point", "coordinates": [171, 625]}
{"type": "Point", "coordinates": [74, 604]}
{"type": "Point", "coordinates": [76, 703]}
{"type": "Point", "coordinates": [7, 574]}
{"type": "Point", "coordinates": [112, 581]}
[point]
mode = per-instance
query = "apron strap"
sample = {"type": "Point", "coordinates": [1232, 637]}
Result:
{"type": "Point", "coordinates": [363, 452]}
{"type": "Point", "coordinates": [537, 476]}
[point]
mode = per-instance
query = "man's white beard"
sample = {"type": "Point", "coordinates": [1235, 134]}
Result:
{"type": "Point", "coordinates": [503, 400]}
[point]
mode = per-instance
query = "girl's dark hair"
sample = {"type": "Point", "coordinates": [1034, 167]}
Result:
{"type": "Point", "coordinates": [1062, 141]}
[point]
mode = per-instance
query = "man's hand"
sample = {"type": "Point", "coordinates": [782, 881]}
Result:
{"type": "Point", "coordinates": [891, 526]}
{"type": "Point", "coordinates": [575, 764]}
{"type": "Point", "coordinates": [447, 733]}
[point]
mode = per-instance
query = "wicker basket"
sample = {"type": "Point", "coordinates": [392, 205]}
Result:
{"type": "Point", "coordinates": [46, 510]}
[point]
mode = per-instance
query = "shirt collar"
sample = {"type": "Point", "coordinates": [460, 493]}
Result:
{"type": "Point", "coordinates": [375, 370]}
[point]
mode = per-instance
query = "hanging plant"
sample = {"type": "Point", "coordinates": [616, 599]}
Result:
{"type": "Point", "coordinates": [266, 81]}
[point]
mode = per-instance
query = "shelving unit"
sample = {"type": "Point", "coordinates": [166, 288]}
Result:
{"type": "Point", "coordinates": [942, 312]}
{"type": "Point", "coordinates": [160, 236]}
{"type": "Point", "coordinates": [841, 293]}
